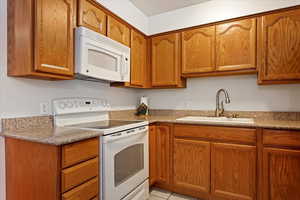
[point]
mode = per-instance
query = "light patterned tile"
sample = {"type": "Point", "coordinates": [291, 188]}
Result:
{"type": "Point", "coordinates": [153, 197]}
{"type": "Point", "coordinates": [180, 197]}
{"type": "Point", "coordinates": [160, 193]}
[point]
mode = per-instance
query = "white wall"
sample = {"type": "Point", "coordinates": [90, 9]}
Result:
{"type": "Point", "coordinates": [244, 92]}
{"type": "Point", "coordinates": [128, 12]}
{"type": "Point", "coordinates": [212, 11]}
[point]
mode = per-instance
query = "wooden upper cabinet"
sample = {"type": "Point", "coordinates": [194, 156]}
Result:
{"type": "Point", "coordinates": [54, 36]}
{"type": "Point", "coordinates": [191, 163]}
{"type": "Point", "coordinates": [163, 134]}
{"type": "Point", "coordinates": [236, 45]}
{"type": "Point", "coordinates": [91, 16]}
{"type": "Point", "coordinates": [41, 38]}
{"type": "Point", "coordinates": [279, 40]}
{"type": "Point", "coordinates": [166, 60]}
{"type": "Point", "coordinates": [118, 31]}
{"type": "Point", "coordinates": [281, 174]}
{"type": "Point", "coordinates": [198, 50]}
{"type": "Point", "coordinates": [138, 59]}
{"type": "Point", "coordinates": [233, 172]}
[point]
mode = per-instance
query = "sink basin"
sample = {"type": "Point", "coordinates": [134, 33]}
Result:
{"type": "Point", "coordinates": [217, 120]}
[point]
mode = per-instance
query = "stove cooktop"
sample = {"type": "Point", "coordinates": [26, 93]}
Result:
{"type": "Point", "coordinates": [106, 124]}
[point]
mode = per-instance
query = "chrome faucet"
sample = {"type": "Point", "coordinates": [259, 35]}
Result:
{"type": "Point", "coordinates": [220, 111]}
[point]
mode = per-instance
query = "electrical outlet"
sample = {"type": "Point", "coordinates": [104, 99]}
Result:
{"type": "Point", "coordinates": [44, 108]}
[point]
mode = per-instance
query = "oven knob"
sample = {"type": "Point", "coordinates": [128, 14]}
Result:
{"type": "Point", "coordinates": [62, 105]}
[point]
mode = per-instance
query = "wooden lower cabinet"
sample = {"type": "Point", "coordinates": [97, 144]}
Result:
{"type": "Point", "coordinates": [281, 174]}
{"type": "Point", "coordinates": [49, 171]}
{"type": "Point", "coordinates": [152, 155]}
{"type": "Point", "coordinates": [191, 160]}
{"type": "Point", "coordinates": [163, 154]}
{"type": "Point", "coordinates": [233, 172]}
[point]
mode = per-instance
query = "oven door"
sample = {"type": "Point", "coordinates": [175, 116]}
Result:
{"type": "Point", "coordinates": [125, 163]}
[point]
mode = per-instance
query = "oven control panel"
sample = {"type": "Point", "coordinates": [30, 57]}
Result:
{"type": "Point", "coordinates": [79, 105]}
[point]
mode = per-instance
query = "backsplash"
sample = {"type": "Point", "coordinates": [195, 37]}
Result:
{"type": "Point", "coordinates": [244, 93]}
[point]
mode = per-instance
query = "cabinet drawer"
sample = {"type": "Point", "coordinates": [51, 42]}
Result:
{"type": "Point", "coordinates": [243, 135]}
{"type": "Point", "coordinates": [78, 174]}
{"type": "Point", "coordinates": [85, 191]}
{"type": "Point", "coordinates": [79, 151]}
{"type": "Point", "coordinates": [283, 138]}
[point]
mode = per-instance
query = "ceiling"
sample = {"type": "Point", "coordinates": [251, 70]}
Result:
{"type": "Point", "coordinates": [154, 7]}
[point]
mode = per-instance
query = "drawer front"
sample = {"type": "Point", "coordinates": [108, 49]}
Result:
{"type": "Point", "coordinates": [282, 138]}
{"type": "Point", "coordinates": [231, 134]}
{"type": "Point", "coordinates": [78, 174]}
{"type": "Point", "coordinates": [86, 191]}
{"type": "Point", "coordinates": [79, 151]}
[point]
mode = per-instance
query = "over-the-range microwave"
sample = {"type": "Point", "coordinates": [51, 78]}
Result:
{"type": "Point", "coordinates": [100, 58]}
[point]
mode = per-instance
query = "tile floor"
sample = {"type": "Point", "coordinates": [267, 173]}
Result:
{"type": "Point", "coordinates": [159, 194]}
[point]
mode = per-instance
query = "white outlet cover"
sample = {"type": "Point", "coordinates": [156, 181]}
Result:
{"type": "Point", "coordinates": [44, 108]}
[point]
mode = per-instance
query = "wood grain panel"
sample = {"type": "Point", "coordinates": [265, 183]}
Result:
{"type": "Point", "coordinates": [138, 59]}
{"type": "Point", "coordinates": [282, 138]}
{"type": "Point", "coordinates": [32, 170]}
{"type": "Point", "coordinates": [54, 35]}
{"type": "Point", "coordinates": [191, 163]}
{"type": "Point", "coordinates": [281, 174]}
{"type": "Point", "coordinates": [85, 191]}
{"type": "Point", "coordinates": [79, 151]}
{"type": "Point", "coordinates": [166, 60]}
{"type": "Point", "coordinates": [152, 155]}
{"type": "Point", "coordinates": [118, 31]}
{"type": "Point", "coordinates": [91, 16]}
{"type": "Point", "coordinates": [236, 45]}
{"type": "Point", "coordinates": [78, 174]}
{"type": "Point", "coordinates": [233, 172]}
{"type": "Point", "coordinates": [163, 154]}
{"type": "Point", "coordinates": [198, 50]}
{"type": "Point", "coordinates": [280, 44]}
{"type": "Point", "coordinates": [231, 134]}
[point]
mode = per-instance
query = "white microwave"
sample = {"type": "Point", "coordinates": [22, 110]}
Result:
{"type": "Point", "coordinates": [100, 58]}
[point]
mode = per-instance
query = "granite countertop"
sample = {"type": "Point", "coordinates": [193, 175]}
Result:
{"type": "Point", "coordinates": [52, 136]}
{"type": "Point", "coordinates": [43, 132]}
{"type": "Point", "coordinates": [258, 123]}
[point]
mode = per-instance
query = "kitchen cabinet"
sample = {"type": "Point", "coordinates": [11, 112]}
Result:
{"type": "Point", "coordinates": [163, 156]}
{"type": "Point", "coordinates": [191, 160]}
{"type": "Point", "coordinates": [92, 16]}
{"type": "Point", "coordinates": [233, 171]}
{"type": "Point", "coordinates": [281, 174]}
{"type": "Point", "coordinates": [118, 31]}
{"type": "Point", "coordinates": [166, 61]}
{"type": "Point", "coordinates": [52, 172]}
{"type": "Point", "coordinates": [152, 155]}
{"type": "Point", "coordinates": [279, 46]}
{"type": "Point", "coordinates": [198, 50]}
{"type": "Point", "coordinates": [41, 38]}
{"type": "Point", "coordinates": [138, 59]}
{"type": "Point", "coordinates": [281, 164]}
{"type": "Point", "coordinates": [236, 45]}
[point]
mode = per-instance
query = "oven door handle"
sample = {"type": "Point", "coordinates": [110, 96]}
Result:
{"type": "Point", "coordinates": [125, 134]}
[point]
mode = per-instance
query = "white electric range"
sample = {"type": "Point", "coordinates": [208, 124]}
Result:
{"type": "Point", "coordinates": [124, 146]}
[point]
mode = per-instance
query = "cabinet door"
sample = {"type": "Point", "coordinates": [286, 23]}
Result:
{"type": "Point", "coordinates": [191, 164]}
{"type": "Point", "coordinates": [91, 16]}
{"type": "Point", "coordinates": [280, 46]}
{"type": "Point", "coordinates": [236, 45]}
{"type": "Point", "coordinates": [163, 154]}
{"type": "Point", "coordinates": [233, 172]}
{"type": "Point", "coordinates": [198, 50]}
{"type": "Point", "coordinates": [152, 155]}
{"type": "Point", "coordinates": [165, 60]}
{"type": "Point", "coordinates": [281, 174]}
{"type": "Point", "coordinates": [54, 34]}
{"type": "Point", "coordinates": [118, 31]}
{"type": "Point", "coordinates": [138, 59]}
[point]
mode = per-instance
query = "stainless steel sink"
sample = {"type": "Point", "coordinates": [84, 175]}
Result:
{"type": "Point", "coordinates": [222, 120]}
